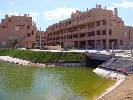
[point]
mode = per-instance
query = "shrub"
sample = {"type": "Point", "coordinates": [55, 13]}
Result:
{"type": "Point", "coordinates": [39, 56]}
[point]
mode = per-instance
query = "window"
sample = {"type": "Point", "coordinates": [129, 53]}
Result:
{"type": "Point", "coordinates": [82, 35]}
{"type": "Point", "coordinates": [104, 41]}
{"type": "Point", "coordinates": [62, 37]}
{"type": "Point", "coordinates": [32, 33]}
{"type": "Point", "coordinates": [91, 33]}
{"type": "Point", "coordinates": [98, 32]}
{"type": "Point", "coordinates": [9, 20]}
{"type": "Point", "coordinates": [91, 25]}
{"type": "Point", "coordinates": [28, 34]}
{"type": "Point", "coordinates": [3, 26]}
{"type": "Point", "coordinates": [57, 38]}
{"type": "Point", "coordinates": [110, 32]}
{"type": "Point", "coordinates": [98, 23]}
{"type": "Point", "coordinates": [70, 22]}
{"type": "Point", "coordinates": [28, 27]}
{"type": "Point", "coordinates": [75, 36]}
{"type": "Point", "coordinates": [113, 43]}
{"type": "Point", "coordinates": [121, 42]}
{"type": "Point", "coordinates": [104, 22]}
{"type": "Point", "coordinates": [98, 43]}
{"type": "Point", "coordinates": [88, 14]}
{"type": "Point", "coordinates": [129, 35]}
{"type": "Point", "coordinates": [103, 32]}
{"type": "Point", "coordinates": [69, 37]}
{"type": "Point", "coordinates": [53, 38]}
{"type": "Point", "coordinates": [82, 27]}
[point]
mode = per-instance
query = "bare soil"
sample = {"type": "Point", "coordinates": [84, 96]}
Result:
{"type": "Point", "coordinates": [123, 92]}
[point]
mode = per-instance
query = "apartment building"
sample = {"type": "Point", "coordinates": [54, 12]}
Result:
{"type": "Point", "coordinates": [17, 31]}
{"type": "Point", "coordinates": [129, 36]}
{"type": "Point", "coordinates": [97, 28]}
{"type": "Point", "coordinates": [39, 40]}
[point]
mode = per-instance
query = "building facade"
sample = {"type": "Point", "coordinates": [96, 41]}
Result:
{"type": "Point", "coordinates": [39, 40]}
{"type": "Point", "coordinates": [129, 36]}
{"type": "Point", "coordinates": [97, 28]}
{"type": "Point", "coordinates": [17, 31]}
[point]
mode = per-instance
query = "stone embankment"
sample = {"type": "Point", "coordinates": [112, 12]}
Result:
{"type": "Point", "coordinates": [23, 62]}
{"type": "Point", "coordinates": [119, 68]}
{"type": "Point", "coordinates": [115, 75]}
{"type": "Point", "coordinates": [123, 64]}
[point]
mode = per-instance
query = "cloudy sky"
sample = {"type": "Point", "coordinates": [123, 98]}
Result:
{"type": "Point", "coordinates": [47, 12]}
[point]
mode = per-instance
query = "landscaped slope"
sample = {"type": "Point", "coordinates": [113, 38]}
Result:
{"type": "Point", "coordinates": [39, 56]}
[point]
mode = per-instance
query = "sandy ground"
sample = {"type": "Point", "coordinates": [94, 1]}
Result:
{"type": "Point", "coordinates": [123, 92]}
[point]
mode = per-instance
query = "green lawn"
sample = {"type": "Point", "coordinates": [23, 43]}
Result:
{"type": "Point", "coordinates": [38, 56]}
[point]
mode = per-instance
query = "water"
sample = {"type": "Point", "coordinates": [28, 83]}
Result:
{"type": "Point", "coordinates": [60, 83]}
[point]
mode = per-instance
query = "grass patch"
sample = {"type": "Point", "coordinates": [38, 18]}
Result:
{"type": "Point", "coordinates": [39, 56]}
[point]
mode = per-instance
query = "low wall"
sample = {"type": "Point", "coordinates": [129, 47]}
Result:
{"type": "Point", "coordinates": [69, 64]}
{"type": "Point", "coordinates": [23, 62]}
{"type": "Point", "coordinates": [115, 75]}
{"type": "Point", "coordinates": [108, 73]}
{"type": "Point", "coordinates": [29, 63]}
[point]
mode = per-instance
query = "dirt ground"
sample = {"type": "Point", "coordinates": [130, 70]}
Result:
{"type": "Point", "coordinates": [122, 92]}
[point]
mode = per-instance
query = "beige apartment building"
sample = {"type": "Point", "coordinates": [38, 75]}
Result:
{"type": "Point", "coordinates": [39, 40]}
{"type": "Point", "coordinates": [97, 28]}
{"type": "Point", "coordinates": [17, 31]}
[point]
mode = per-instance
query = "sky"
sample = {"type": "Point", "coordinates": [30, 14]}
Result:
{"type": "Point", "coordinates": [48, 12]}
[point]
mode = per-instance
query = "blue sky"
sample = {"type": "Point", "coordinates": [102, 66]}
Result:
{"type": "Point", "coordinates": [47, 12]}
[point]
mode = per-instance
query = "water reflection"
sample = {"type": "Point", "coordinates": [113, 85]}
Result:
{"type": "Point", "coordinates": [23, 83]}
{"type": "Point", "coordinates": [18, 79]}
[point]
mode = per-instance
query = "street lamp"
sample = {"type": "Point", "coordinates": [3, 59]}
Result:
{"type": "Point", "coordinates": [27, 43]}
{"type": "Point", "coordinates": [66, 35]}
{"type": "Point", "coordinates": [131, 48]}
{"type": "Point", "coordinates": [113, 48]}
{"type": "Point", "coordinates": [40, 38]}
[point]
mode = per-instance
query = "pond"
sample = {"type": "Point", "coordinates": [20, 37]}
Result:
{"type": "Point", "coordinates": [59, 83]}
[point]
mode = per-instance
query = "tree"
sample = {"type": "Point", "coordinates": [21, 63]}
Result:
{"type": "Point", "coordinates": [13, 41]}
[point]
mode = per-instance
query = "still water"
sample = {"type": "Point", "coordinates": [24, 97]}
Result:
{"type": "Point", "coordinates": [59, 83]}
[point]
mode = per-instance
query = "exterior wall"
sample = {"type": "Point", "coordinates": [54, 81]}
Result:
{"type": "Point", "coordinates": [3, 38]}
{"type": "Point", "coordinates": [28, 42]}
{"type": "Point", "coordinates": [39, 40]}
{"type": "Point", "coordinates": [96, 28]}
{"type": "Point", "coordinates": [128, 36]}
{"type": "Point", "coordinates": [16, 27]}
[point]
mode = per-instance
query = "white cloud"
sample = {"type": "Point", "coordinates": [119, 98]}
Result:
{"type": "Point", "coordinates": [11, 3]}
{"type": "Point", "coordinates": [124, 4]}
{"type": "Point", "coordinates": [58, 13]}
{"type": "Point", "coordinates": [13, 13]}
{"type": "Point", "coordinates": [34, 15]}
{"type": "Point", "coordinates": [1, 14]}
{"type": "Point", "coordinates": [110, 8]}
